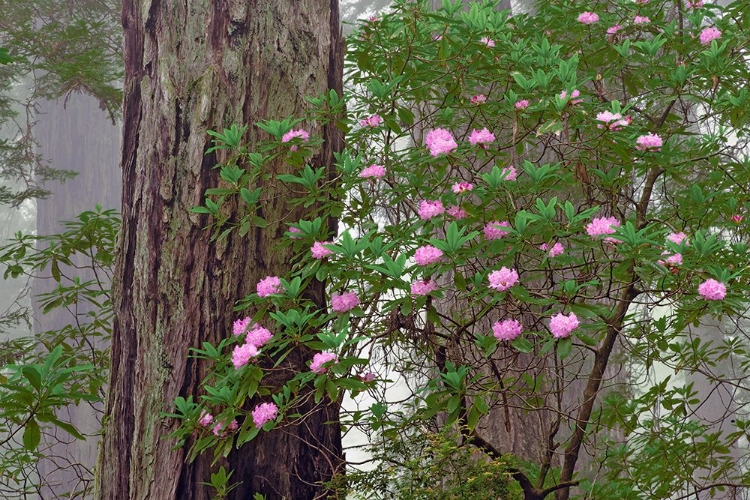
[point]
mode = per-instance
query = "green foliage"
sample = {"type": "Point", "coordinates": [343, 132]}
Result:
{"type": "Point", "coordinates": [418, 464]}
{"type": "Point", "coordinates": [420, 69]}
{"type": "Point", "coordinates": [41, 375]}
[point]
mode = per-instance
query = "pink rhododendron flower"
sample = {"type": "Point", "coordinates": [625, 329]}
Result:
{"type": "Point", "coordinates": [509, 173]}
{"type": "Point", "coordinates": [321, 359]}
{"type": "Point", "coordinates": [508, 329]}
{"type": "Point", "coordinates": [264, 412]}
{"type": "Point", "coordinates": [678, 238]}
{"type": "Point", "coordinates": [302, 134]}
{"type": "Point", "coordinates": [613, 29]}
{"type": "Point", "coordinates": [479, 99]}
{"type": "Point", "coordinates": [709, 34]}
{"type": "Point", "coordinates": [258, 336]}
{"type": "Point", "coordinates": [371, 121]}
{"type": "Point", "coordinates": [423, 287]}
{"type": "Point", "coordinates": [493, 230]}
{"type": "Point", "coordinates": [205, 418]}
{"type": "Point", "coordinates": [242, 354]}
{"type": "Point", "coordinates": [344, 302]}
{"type": "Point", "coordinates": [482, 137]}
{"type": "Point", "coordinates": [588, 18]}
{"type": "Point", "coordinates": [373, 171]}
{"type": "Point", "coordinates": [240, 326]}
{"type": "Point", "coordinates": [220, 431]}
{"type": "Point", "coordinates": [712, 290]}
{"type": "Point", "coordinates": [427, 254]}
{"type": "Point", "coordinates": [457, 212]}
{"type": "Point", "coordinates": [429, 209]}
{"type": "Point", "coordinates": [488, 41]}
{"type": "Point", "coordinates": [671, 261]}
{"type": "Point", "coordinates": [503, 279]}
{"type": "Point", "coordinates": [561, 325]}
{"type": "Point", "coordinates": [522, 104]}
{"type": "Point", "coordinates": [602, 225]}
{"type": "Point", "coordinates": [612, 121]}
{"type": "Point", "coordinates": [694, 4]}
{"type": "Point", "coordinates": [737, 219]}
{"type": "Point", "coordinates": [268, 286]}
{"type": "Point", "coordinates": [557, 249]}
{"type": "Point", "coordinates": [295, 230]}
{"type": "Point", "coordinates": [368, 377]}
{"type": "Point", "coordinates": [440, 141]}
{"type": "Point", "coordinates": [319, 251]}
{"type": "Point", "coordinates": [641, 20]}
{"type": "Point", "coordinates": [462, 187]}
{"type": "Point", "coordinates": [573, 96]}
{"type": "Point", "coordinates": [648, 142]}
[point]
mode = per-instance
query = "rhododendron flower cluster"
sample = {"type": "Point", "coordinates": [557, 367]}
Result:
{"type": "Point", "coordinates": [522, 104]}
{"type": "Point", "coordinates": [220, 431]}
{"type": "Point", "coordinates": [373, 171]}
{"type": "Point", "coordinates": [494, 230]}
{"type": "Point", "coordinates": [479, 99]}
{"type": "Point", "coordinates": [481, 137]}
{"type": "Point", "coordinates": [709, 34]}
{"type": "Point", "coordinates": [561, 325]}
{"type": "Point", "coordinates": [205, 418]}
{"type": "Point", "coordinates": [268, 286]}
{"type": "Point", "coordinates": [712, 290]}
{"type": "Point", "coordinates": [242, 354]}
{"type": "Point", "coordinates": [508, 329]}
{"type": "Point", "coordinates": [462, 187]}
{"type": "Point", "coordinates": [371, 121]}
{"type": "Point", "coordinates": [678, 238]}
{"type": "Point", "coordinates": [588, 18]}
{"type": "Point", "coordinates": [427, 254]}
{"type": "Point", "coordinates": [694, 4]}
{"type": "Point", "coordinates": [264, 412]}
{"type": "Point", "coordinates": [240, 326]}
{"type": "Point", "coordinates": [292, 134]}
{"type": "Point", "coordinates": [672, 260]}
{"type": "Point", "coordinates": [321, 359]}
{"type": "Point", "coordinates": [612, 121]}
{"type": "Point", "coordinates": [457, 212]}
{"type": "Point", "coordinates": [258, 336]}
{"type": "Point", "coordinates": [344, 302]}
{"type": "Point", "coordinates": [503, 279]}
{"type": "Point", "coordinates": [613, 29]}
{"type": "Point", "coordinates": [557, 249]}
{"type": "Point", "coordinates": [573, 96]}
{"type": "Point", "coordinates": [440, 141]}
{"type": "Point", "coordinates": [423, 287]}
{"type": "Point", "coordinates": [509, 173]}
{"type": "Point", "coordinates": [430, 208]}
{"type": "Point", "coordinates": [641, 20]}
{"type": "Point", "coordinates": [319, 251]}
{"type": "Point", "coordinates": [602, 225]}
{"type": "Point", "coordinates": [648, 142]}
{"type": "Point", "coordinates": [488, 41]}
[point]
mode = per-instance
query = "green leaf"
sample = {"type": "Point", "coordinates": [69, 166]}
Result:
{"type": "Point", "coordinates": [31, 372]}
{"type": "Point", "coordinates": [523, 345]}
{"type": "Point", "coordinates": [564, 346]}
{"type": "Point", "coordinates": [32, 435]}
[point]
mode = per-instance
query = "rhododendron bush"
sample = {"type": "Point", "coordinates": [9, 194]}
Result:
{"type": "Point", "coordinates": [531, 231]}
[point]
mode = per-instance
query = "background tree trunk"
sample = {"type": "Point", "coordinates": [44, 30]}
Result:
{"type": "Point", "coordinates": [189, 70]}
{"type": "Point", "coordinates": [75, 135]}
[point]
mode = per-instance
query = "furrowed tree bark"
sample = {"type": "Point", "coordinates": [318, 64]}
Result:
{"type": "Point", "coordinates": [191, 67]}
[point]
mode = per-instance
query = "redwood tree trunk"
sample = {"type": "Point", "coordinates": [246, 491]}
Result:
{"type": "Point", "coordinates": [193, 66]}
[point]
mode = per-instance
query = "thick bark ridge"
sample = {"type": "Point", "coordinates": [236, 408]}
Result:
{"type": "Point", "coordinates": [191, 67]}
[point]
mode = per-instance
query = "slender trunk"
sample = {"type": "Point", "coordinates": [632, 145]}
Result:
{"type": "Point", "coordinates": [189, 68]}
